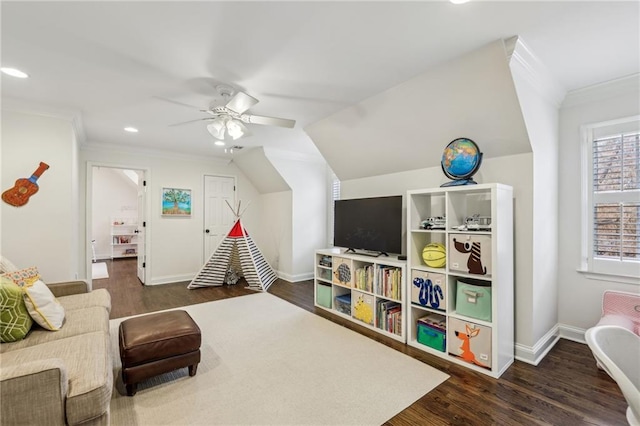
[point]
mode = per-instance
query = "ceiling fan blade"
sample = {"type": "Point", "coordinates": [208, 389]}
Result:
{"type": "Point", "coordinates": [171, 101]}
{"type": "Point", "coordinates": [190, 121]}
{"type": "Point", "coordinates": [269, 121]}
{"type": "Point", "coordinates": [241, 102]}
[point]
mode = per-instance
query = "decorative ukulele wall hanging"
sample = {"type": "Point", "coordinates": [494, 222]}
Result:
{"type": "Point", "coordinates": [24, 188]}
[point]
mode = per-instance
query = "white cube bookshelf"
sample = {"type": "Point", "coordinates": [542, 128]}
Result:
{"type": "Point", "coordinates": [486, 346]}
{"type": "Point", "coordinates": [376, 287]}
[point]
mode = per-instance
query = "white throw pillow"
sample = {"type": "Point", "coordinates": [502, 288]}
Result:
{"type": "Point", "coordinates": [6, 265]}
{"type": "Point", "coordinates": [43, 306]}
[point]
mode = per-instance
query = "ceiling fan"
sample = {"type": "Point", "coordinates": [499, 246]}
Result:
{"type": "Point", "coordinates": [229, 120]}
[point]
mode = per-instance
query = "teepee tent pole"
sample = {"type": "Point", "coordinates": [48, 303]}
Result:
{"type": "Point", "coordinates": [245, 208]}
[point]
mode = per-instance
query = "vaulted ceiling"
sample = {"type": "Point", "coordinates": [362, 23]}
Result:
{"type": "Point", "coordinates": [153, 64]}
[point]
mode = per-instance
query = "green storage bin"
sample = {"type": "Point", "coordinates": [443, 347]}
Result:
{"type": "Point", "coordinates": [473, 299]}
{"type": "Point", "coordinates": [323, 295]}
{"type": "Point", "coordinates": [431, 337]}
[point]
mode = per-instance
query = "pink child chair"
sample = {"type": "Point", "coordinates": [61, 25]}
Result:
{"type": "Point", "coordinates": [622, 309]}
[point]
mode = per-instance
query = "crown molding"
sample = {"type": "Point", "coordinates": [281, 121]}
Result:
{"type": "Point", "coordinates": [522, 60]}
{"type": "Point", "coordinates": [153, 153]}
{"type": "Point", "coordinates": [27, 107]}
{"type": "Point", "coordinates": [78, 128]}
{"type": "Point", "coordinates": [602, 91]}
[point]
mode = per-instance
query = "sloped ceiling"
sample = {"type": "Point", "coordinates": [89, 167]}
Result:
{"type": "Point", "coordinates": [407, 126]}
{"type": "Point", "coordinates": [259, 170]}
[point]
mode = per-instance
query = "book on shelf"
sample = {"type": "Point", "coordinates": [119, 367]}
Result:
{"type": "Point", "coordinates": [435, 321]}
{"type": "Point", "coordinates": [389, 282]}
{"type": "Point", "coordinates": [364, 278]}
{"type": "Point", "coordinates": [389, 316]}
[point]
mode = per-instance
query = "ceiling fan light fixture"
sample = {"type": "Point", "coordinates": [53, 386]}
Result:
{"type": "Point", "coordinates": [217, 128]}
{"type": "Point", "coordinates": [234, 130]}
{"type": "Point", "coordinates": [219, 143]}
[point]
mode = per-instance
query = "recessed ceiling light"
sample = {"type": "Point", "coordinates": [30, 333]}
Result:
{"type": "Point", "coordinates": [219, 143]}
{"type": "Point", "coordinates": [458, 1]}
{"type": "Point", "coordinates": [131, 129]}
{"type": "Point", "coordinates": [14, 72]}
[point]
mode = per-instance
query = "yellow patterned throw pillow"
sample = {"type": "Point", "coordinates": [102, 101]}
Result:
{"type": "Point", "coordinates": [23, 276]}
{"type": "Point", "coordinates": [15, 321]}
{"type": "Point", "coordinates": [42, 305]}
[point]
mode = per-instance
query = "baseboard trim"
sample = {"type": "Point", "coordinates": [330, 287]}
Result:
{"type": "Point", "coordinates": [533, 355]}
{"type": "Point", "coordinates": [294, 278]}
{"type": "Point", "coordinates": [572, 333]}
{"type": "Point", "coordinates": [168, 279]}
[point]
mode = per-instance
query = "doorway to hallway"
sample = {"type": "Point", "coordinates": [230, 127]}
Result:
{"type": "Point", "coordinates": [116, 219]}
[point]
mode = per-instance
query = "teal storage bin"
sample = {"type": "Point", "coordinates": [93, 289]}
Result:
{"type": "Point", "coordinates": [473, 299]}
{"type": "Point", "coordinates": [431, 337]}
{"type": "Point", "coordinates": [323, 295]}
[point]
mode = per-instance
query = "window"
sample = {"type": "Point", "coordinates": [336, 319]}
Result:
{"type": "Point", "coordinates": [612, 189]}
{"type": "Point", "coordinates": [334, 186]}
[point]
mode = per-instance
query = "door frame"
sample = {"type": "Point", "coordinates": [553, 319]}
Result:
{"type": "Point", "coordinates": [89, 215]}
{"type": "Point", "coordinates": [204, 201]}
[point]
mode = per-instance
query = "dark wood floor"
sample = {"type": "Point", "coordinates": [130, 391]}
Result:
{"type": "Point", "coordinates": [566, 388]}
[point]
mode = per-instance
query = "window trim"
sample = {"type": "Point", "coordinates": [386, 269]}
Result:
{"type": "Point", "coordinates": [627, 271]}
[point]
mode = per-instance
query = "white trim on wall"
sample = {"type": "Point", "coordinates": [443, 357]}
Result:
{"type": "Point", "coordinates": [169, 279]}
{"type": "Point", "coordinates": [294, 278]}
{"type": "Point", "coordinates": [154, 153]}
{"type": "Point", "coordinates": [534, 354]}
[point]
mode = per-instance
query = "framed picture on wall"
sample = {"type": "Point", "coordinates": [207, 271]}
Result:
{"type": "Point", "coordinates": [176, 202]}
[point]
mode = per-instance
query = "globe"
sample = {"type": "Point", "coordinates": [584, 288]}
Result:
{"type": "Point", "coordinates": [461, 159]}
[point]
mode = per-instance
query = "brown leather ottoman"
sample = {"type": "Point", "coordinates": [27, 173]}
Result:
{"type": "Point", "coordinates": [158, 343]}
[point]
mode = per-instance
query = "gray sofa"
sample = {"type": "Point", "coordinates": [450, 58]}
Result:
{"type": "Point", "coordinates": [61, 377]}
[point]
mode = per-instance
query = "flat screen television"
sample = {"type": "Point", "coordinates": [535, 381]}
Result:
{"type": "Point", "coordinates": [369, 224]}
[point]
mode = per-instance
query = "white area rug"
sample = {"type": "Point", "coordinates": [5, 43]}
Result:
{"type": "Point", "coordinates": [266, 361]}
{"type": "Point", "coordinates": [99, 270]}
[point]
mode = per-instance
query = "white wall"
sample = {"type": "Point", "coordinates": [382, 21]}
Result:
{"type": "Point", "coordinates": [113, 197]}
{"type": "Point", "coordinates": [406, 126]}
{"type": "Point", "coordinates": [539, 97]}
{"type": "Point", "coordinates": [275, 233]}
{"type": "Point", "coordinates": [517, 171]}
{"type": "Point", "coordinates": [580, 299]}
{"type": "Point", "coordinates": [43, 232]}
{"type": "Point", "coordinates": [307, 178]}
{"type": "Point", "coordinates": [175, 250]}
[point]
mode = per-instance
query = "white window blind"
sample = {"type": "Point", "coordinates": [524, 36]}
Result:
{"type": "Point", "coordinates": [614, 198]}
{"type": "Point", "coordinates": [616, 211]}
{"type": "Point", "coordinates": [335, 189]}
{"type": "Point", "coordinates": [334, 183]}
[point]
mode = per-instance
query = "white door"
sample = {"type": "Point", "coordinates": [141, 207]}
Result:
{"type": "Point", "coordinates": [142, 226]}
{"type": "Point", "coordinates": [218, 217]}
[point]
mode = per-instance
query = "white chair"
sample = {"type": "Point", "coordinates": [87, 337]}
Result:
{"type": "Point", "coordinates": [618, 352]}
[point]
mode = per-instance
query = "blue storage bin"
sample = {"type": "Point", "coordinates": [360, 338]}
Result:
{"type": "Point", "coordinates": [343, 304]}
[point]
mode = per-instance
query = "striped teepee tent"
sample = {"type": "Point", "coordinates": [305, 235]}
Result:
{"type": "Point", "coordinates": [236, 252]}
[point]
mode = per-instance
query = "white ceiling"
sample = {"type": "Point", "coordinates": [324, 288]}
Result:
{"type": "Point", "coordinates": [133, 63]}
